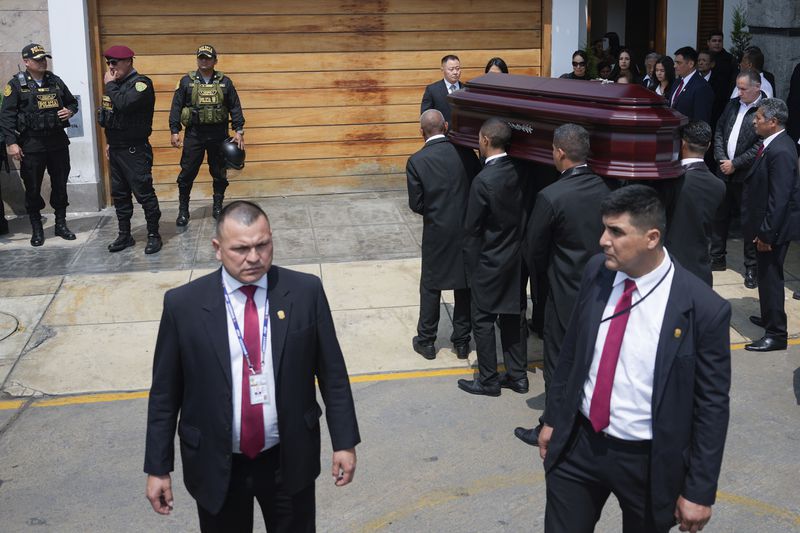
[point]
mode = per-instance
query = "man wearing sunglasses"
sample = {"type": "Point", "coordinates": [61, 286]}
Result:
{"type": "Point", "coordinates": [127, 117]}
{"type": "Point", "coordinates": [36, 108]}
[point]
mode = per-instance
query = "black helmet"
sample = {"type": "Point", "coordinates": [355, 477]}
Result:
{"type": "Point", "coordinates": [232, 154]}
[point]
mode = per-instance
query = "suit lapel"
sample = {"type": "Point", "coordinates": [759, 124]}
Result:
{"type": "Point", "coordinates": [673, 331]}
{"type": "Point", "coordinates": [216, 325]}
{"type": "Point", "coordinates": [280, 309]}
{"type": "Point", "coordinates": [603, 287]}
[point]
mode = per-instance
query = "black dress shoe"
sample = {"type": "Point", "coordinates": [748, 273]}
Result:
{"type": "Point", "coordinates": [474, 386]}
{"type": "Point", "coordinates": [37, 236]}
{"type": "Point", "coordinates": [718, 265]}
{"type": "Point", "coordinates": [528, 436]}
{"type": "Point", "coordinates": [766, 344]}
{"type": "Point", "coordinates": [153, 243]}
{"type": "Point", "coordinates": [425, 349]}
{"type": "Point", "coordinates": [520, 385]}
{"type": "Point", "coordinates": [123, 240]}
{"type": "Point", "coordinates": [63, 231]}
{"type": "Point", "coordinates": [757, 320]}
{"type": "Point", "coordinates": [462, 350]}
{"type": "Point", "coordinates": [751, 278]}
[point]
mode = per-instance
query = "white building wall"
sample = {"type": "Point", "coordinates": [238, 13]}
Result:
{"type": "Point", "coordinates": [568, 33]}
{"type": "Point", "coordinates": [681, 24]}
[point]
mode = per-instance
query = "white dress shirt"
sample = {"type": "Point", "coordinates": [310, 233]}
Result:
{"type": "Point", "coordinates": [766, 86]}
{"type": "Point", "coordinates": [632, 394]}
{"type": "Point", "coordinates": [683, 87]}
{"type": "Point", "coordinates": [434, 137]}
{"type": "Point", "coordinates": [689, 160]}
{"type": "Point", "coordinates": [451, 86]}
{"type": "Point", "coordinates": [494, 157]}
{"type": "Point", "coordinates": [238, 300]}
{"type": "Point", "coordinates": [771, 138]}
{"type": "Point", "coordinates": [707, 77]}
{"type": "Point", "coordinates": [737, 127]}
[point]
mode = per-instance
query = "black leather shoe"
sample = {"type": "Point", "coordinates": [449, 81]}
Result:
{"type": "Point", "coordinates": [718, 265]}
{"type": "Point", "coordinates": [520, 385]}
{"type": "Point", "coordinates": [473, 386]}
{"type": "Point", "coordinates": [751, 278]}
{"type": "Point", "coordinates": [757, 320]}
{"type": "Point", "coordinates": [425, 349]}
{"type": "Point", "coordinates": [528, 436]}
{"type": "Point", "coordinates": [153, 243]}
{"type": "Point", "coordinates": [216, 207]}
{"type": "Point", "coordinates": [462, 350]}
{"type": "Point", "coordinates": [766, 344]}
{"type": "Point", "coordinates": [37, 235]}
{"type": "Point", "coordinates": [183, 217]}
{"type": "Point", "coordinates": [63, 231]}
{"type": "Point", "coordinates": [123, 240]}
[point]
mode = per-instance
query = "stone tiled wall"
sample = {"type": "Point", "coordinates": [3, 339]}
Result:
{"type": "Point", "coordinates": [21, 22]}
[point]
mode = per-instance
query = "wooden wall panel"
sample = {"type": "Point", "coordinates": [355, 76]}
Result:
{"type": "Point", "coordinates": [330, 88]}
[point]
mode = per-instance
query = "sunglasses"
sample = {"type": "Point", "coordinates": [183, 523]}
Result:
{"type": "Point", "coordinates": [579, 63]}
{"type": "Point", "coordinates": [112, 62]}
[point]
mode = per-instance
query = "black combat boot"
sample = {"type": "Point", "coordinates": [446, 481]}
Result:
{"type": "Point", "coordinates": [183, 208]}
{"type": "Point", "coordinates": [61, 227]}
{"type": "Point", "coordinates": [37, 236]}
{"type": "Point", "coordinates": [217, 207]}
{"type": "Point", "coordinates": [123, 240]}
{"type": "Point", "coordinates": [153, 243]}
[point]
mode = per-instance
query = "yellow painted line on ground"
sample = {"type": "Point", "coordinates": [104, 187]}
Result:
{"type": "Point", "coordinates": [758, 507]}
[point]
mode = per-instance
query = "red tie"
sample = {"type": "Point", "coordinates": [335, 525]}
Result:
{"type": "Point", "coordinates": [760, 151]}
{"type": "Point", "coordinates": [600, 409]}
{"type": "Point", "coordinates": [677, 93]}
{"type": "Point", "coordinates": [252, 437]}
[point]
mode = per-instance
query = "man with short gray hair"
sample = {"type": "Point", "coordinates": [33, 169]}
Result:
{"type": "Point", "coordinates": [649, 79]}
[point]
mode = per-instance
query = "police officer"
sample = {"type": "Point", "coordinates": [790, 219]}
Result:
{"type": "Point", "coordinates": [202, 102]}
{"type": "Point", "coordinates": [127, 116]}
{"type": "Point", "coordinates": [36, 108]}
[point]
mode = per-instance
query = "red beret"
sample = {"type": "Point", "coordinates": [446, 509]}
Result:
{"type": "Point", "coordinates": [119, 52]}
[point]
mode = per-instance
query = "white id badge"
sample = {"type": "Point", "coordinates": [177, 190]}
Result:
{"type": "Point", "coordinates": [258, 389]}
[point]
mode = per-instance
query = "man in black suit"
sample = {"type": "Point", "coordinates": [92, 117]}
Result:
{"type": "Point", "coordinates": [793, 103]}
{"type": "Point", "coordinates": [237, 354]}
{"type": "Point", "coordinates": [639, 404]}
{"type": "Point", "coordinates": [720, 86]}
{"type": "Point", "coordinates": [724, 64]}
{"type": "Point", "coordinates": [735, 146]}
{"type": "Point", "coordinates": [435, 96]}
{"type": "Point", "coordinates": [438, 177]}
{"type": "Point", "coordinates": [494, 265]}
{"type": "Point", "coordinates": [693, 96]}
{"type": "Point", "coordinates": [561, 236]}
{"type": "Point", "coordinates": [698, 197]}
{"type": "Point", "coordinates": [771, 218]}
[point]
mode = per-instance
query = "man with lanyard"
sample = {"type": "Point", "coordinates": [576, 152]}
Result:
{"type": "Point", "coordinates": [201, 103]}
{"type": "Point", "coordinates": [36, 108]}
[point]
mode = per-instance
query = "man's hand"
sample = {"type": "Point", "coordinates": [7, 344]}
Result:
{"type": "Point", "coordinates": [762, 246]}
{"type": "Point", "coordinates": [109, 77]}
{"type": "Point", "coordinates": [544, 439]}
{"type": "Point", "coordinates": [159, 492]}
{"type": "Point", "coordinates": [691, 516]}
{"type": "Point", "coordinates": [238, 138]}
{"type": "Point", "coordinates": [175, 140]}
{"type": "Point", "coordinates": [344, 466]}
{"type": "Point", "coordinates": [64, 113]}
{"type": "Point", "coordinates": [15, 152]}
{"type": "Point", "coordinates": [726, 167]}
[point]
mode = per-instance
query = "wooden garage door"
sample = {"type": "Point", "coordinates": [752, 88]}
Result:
{"type": "Point", "coordinates": [330, 88]}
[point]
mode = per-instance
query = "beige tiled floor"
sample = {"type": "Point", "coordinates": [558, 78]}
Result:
{"type": "Point", "coordinates": [372, 284]}
{"type": "Point", "coordinates": [29, 286]}
{"type": "Point", "coordinates": [28, 311]}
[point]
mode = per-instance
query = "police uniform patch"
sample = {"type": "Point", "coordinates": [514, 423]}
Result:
{"type": "Point", "coordinates": [140, 86]}
{"type": "Point", "coordinates": [7, 90]}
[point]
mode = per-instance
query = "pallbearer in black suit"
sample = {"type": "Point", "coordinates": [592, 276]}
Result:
{"type": "Point", "coordinates": [439, 176]}
{"type": "Point", "coordinates": [562, 235]}
{"type": "Point", "coordinates": [698, 197]}
{"type": "Point", "coordinates": [494, 265]}
{"type": "Point", "coordinates": [771, 218]}
{"type": "Point", "coordinates": [639, 404]}
{"type": "Point", "coordinates": [435, 96]}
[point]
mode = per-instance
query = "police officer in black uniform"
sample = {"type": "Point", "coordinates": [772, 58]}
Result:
{"type": "Point", "coordinates": [202, 102]}
{"type": "Point", "coordinates": [36, 108]}
{"type": "Point", "coordinates": [127, 116]}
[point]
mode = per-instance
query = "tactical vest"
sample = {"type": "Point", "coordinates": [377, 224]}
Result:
{"type": "Point", "coordinates": [39, 107]}
{"type": "Point", "coordinates": [110, 119]}
{"type": "Point", "coordinates": [207, 103]}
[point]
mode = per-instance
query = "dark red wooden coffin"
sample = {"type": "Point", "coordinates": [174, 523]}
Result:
{"type": "Point", "coordinates": [634, 134]}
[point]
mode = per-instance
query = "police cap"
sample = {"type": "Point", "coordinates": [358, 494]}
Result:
{"type": "Point", "coordinates": [118, 52]}
{"type": "Point", "coordinates": [207, 51]}
{"type": "Point", "coordinates": [34, 51]}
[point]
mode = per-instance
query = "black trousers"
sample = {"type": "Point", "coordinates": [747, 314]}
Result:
{"type": "Point", "coordinates": [131, 173]}
{"type": "Point", "coordinates": [31, 169]}
{"type": "Point", "coordinates": [770, 290]}
{"type": "Point", "coordinates": [592, 468]}
{"type": "Point", "coordinates": [512, 340]}
{"type": "Point", "coordinates": [730, 209]}
{"type": "Point", "coordinates": [553, 339]}
{"type": "Point", "coordinates": [259, 478]}
{"type": "Point", "coordinates": [429, 305]}
{"type": "Point", "coordinates": [195, 147]}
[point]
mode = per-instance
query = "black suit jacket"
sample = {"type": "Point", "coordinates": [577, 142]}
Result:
{"type": "Point", "coordinates": [771, 195]}
{"type": "Point", "coordinates": [492, 249]}
{"type": "Point", "coordinates": [793, 103]}
{"type": "Point", "coordinates": [192, 377]}
{"type": "Point", "coordinates": [439, 176]}
{"type": "Point", "coordinates": [435, 97]}
{"type": "Point", "coordinates": [747, 144]}
{"type": "Point", "coordinates": [691, 382]}
{"type": "Point", "coordinates": [696, 99]}
{"type": "Point", "coordinates": [699, 197]}
{"type": "Point", "coordinates": [563, 233]}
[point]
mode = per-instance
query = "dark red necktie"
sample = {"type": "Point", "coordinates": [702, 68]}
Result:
{"type": "Point", "coordinates": [600, 409]}
{"type": "Point", "coordinates": [677, 93]}
{"type": "Point", "coordinates": [251, 439]}
{"type": "Point", "coordinates": [760, 151]}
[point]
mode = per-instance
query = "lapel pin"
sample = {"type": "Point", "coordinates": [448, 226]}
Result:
{"type": "Point", "coordinates": [677, 333]}
{"type": "Point", "coordinates": [281, 314]}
